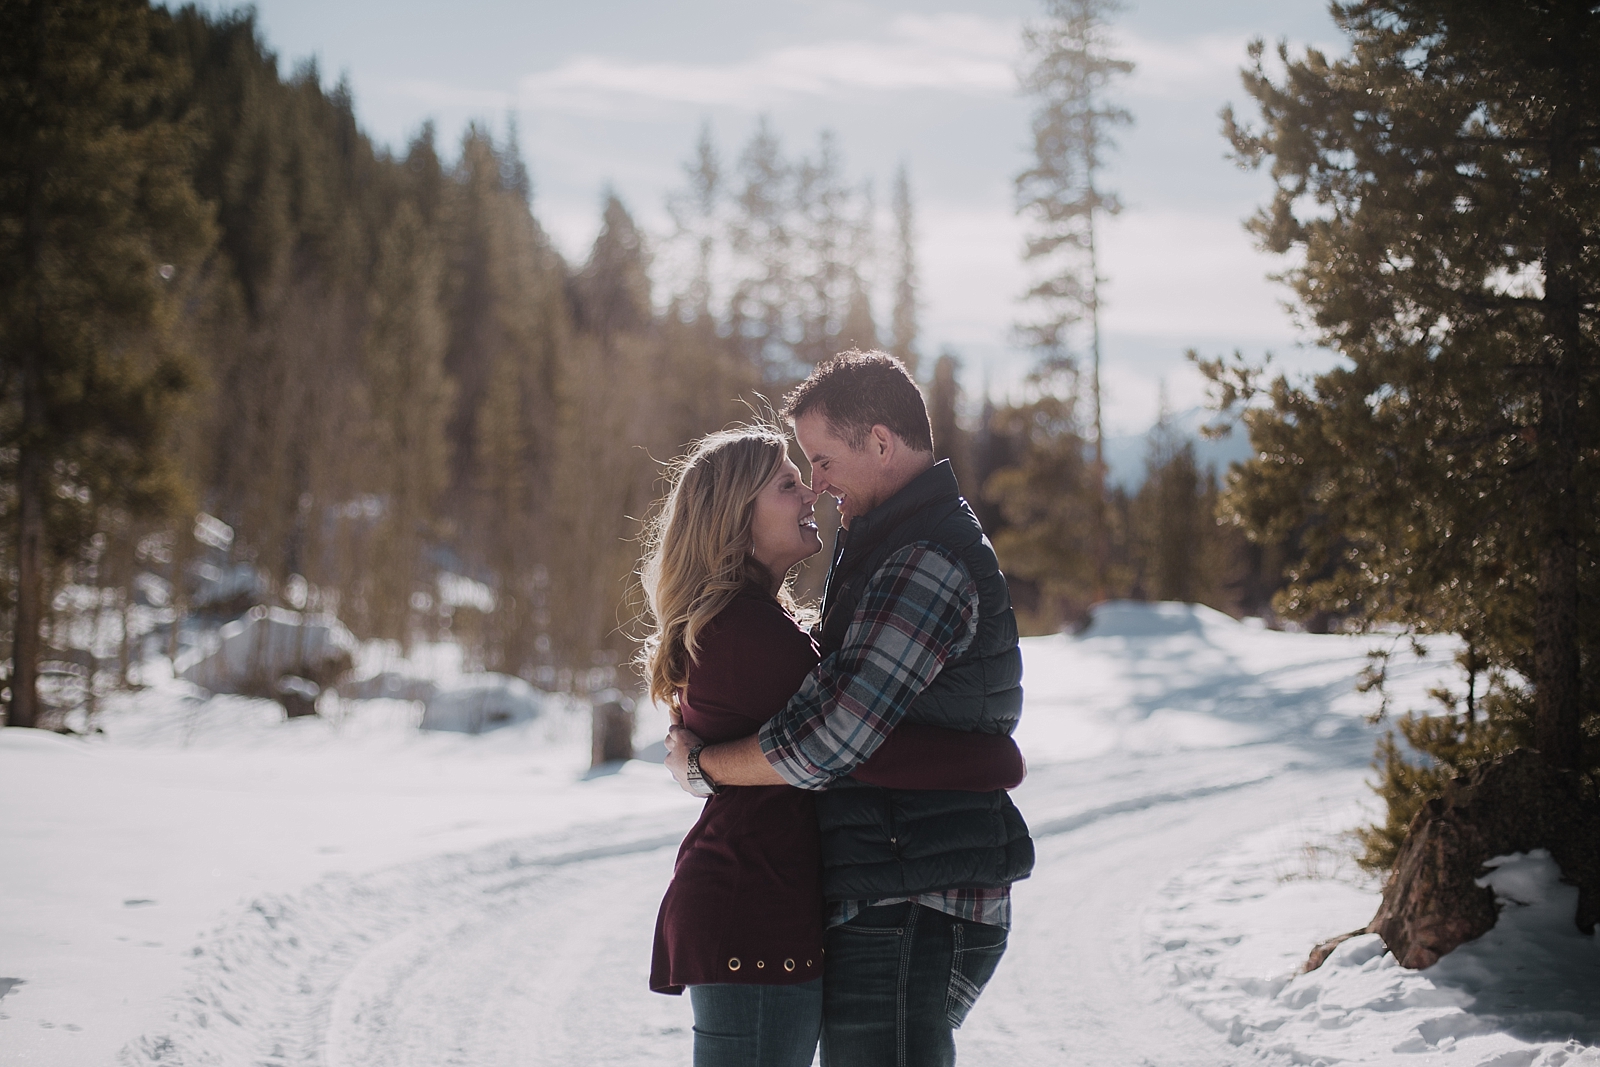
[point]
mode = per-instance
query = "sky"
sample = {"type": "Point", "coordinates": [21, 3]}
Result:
{"type": "Point", "coordinates": [611, 94]}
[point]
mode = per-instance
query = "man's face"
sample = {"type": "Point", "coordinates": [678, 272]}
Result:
{"type": "Point", "coordinates": [853, 477]}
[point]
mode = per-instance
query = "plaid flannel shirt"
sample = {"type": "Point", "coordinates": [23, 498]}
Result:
{"type": "Point", "coordinates": [919, 611]}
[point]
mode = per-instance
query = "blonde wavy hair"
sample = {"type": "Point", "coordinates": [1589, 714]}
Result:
{"type": "Point", "coordinates": [697, 548]}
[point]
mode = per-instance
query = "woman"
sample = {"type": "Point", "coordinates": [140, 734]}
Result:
{"type": "Point", "coordinates": [742, 922]}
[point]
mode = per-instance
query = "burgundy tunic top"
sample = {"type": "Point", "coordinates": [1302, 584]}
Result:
{"type": "Point", "coordinates": [745, 902]}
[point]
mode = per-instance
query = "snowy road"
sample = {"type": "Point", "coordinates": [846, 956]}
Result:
{"type": "Point", "coordinates": [507, 985]}
{"type": "Point", "coordinates": [544, 969]}
{"type": "Point", "coordinates": [536, 952]}
{"type": "Point", "coordinates": [210, 886]}
{"type": "Point", "coordinates": [1077, 986]}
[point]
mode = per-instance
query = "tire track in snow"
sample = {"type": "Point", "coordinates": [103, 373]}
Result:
{"type": "Point", "coordinates": [552, 970]}
{"type": "Point", "coordinates": [326, 975]}
{"type": "Point", "coordinates": [1073, 822]}
{"type": "Point", "coordinates": [1076, 986]}
{"type": "Point", "coordinates": [537, 951]}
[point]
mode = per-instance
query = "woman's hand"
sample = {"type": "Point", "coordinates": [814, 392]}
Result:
{"type": "Point", "coordinates": [680, 742]}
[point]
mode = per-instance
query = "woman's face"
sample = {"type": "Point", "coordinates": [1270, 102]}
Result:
{"type": "Point", "coordinates": [784, 529]}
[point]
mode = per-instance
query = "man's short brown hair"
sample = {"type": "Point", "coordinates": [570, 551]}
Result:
{"type": "Point", "coordinates": [856, 391]}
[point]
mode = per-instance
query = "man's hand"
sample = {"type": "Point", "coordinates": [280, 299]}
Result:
{"type": "Point", "coordinates": [680, 742]}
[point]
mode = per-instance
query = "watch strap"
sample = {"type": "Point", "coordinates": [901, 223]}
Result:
{"type": "Point", "coordinates": [698, 777]}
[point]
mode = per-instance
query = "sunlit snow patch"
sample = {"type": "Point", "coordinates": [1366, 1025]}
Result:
{"type": "Point", "coordinates": [1149, 679]}
{"type": "Point", "coordinates": [1230, 936]}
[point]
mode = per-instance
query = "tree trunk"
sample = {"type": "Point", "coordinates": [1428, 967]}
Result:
{"type": "Point", "coordinates": [26, 644]}
{"type": "Point", "coordinates": [611, 732]}
{"type": "Point", "coordinates": [29, 618]}
{"type": "Point", "coordinates": [1557, 682]}
{"type": "Point", "coordinates": [1102, 540]}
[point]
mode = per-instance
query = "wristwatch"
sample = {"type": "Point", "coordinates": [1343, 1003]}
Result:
{"type": "Point", "coordinates": [700, 783]}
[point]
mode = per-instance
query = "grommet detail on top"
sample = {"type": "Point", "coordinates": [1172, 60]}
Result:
{"type": "Point", "coordinates": [761, 964]}
{"type": "Point", "coordinates": [788, 965]}
{"type": "Point", "coordinates": [733, 964]}
{"type": "Point", "coordinates": [808, 963]}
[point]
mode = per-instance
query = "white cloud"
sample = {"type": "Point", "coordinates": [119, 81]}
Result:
{"type": "Point", "coordinates": [1172, 70]}
{"type": "Point", "coordinates": [440, 94]}
{"type": "Point", "coordinates": [1170, 274]}
{"type": "Point", "coordinates": [1184, 275]}
{"type": "Point", "coordinates": [955, 53]}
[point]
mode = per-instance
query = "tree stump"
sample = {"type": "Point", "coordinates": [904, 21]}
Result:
{"type": "Point", "coordinates": [611, 730]}
{"type": "Point", "coordinates": [1432, 902]}
{"type": "Point", "coordinates": [297, 696]}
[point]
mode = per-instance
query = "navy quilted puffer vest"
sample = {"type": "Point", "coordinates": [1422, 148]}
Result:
{"type": "Point", "coordinates": [880, 842]}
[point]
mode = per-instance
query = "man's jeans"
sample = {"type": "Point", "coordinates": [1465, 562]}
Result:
{"type": "Point", "coordinates": [899, 980]}
{"type": "Point", "coordinates": [756, 1025]}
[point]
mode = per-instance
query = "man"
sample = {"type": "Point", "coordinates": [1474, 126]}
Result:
{"type": "Point", "coordinates": [916, 622]}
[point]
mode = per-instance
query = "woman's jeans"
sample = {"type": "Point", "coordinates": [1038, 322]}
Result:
{"type": "Point", "coordinates": [756, 1025]}
{"type": "Point", "coordinates": [900, 980]}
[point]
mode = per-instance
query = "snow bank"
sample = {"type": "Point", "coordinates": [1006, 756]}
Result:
{"type": "Point", "coordinates": [1228, 938]}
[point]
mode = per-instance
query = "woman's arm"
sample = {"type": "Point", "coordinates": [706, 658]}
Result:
{"type": "Point", "coordinates": [916, 756]}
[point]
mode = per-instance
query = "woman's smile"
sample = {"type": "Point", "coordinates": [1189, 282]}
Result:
{"type": "Point", "coordinates": [783, 530]}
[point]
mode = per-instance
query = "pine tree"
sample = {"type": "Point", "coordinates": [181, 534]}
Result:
{"type": "Point", "coordinates": [1442, 184]}
{"type": "Point", "coordinates": [834, 228]}
{"type": "Point", "coordinates": [763, 246]}
{"type": "Point", "coordinates": [703, 371]}
{"type": "Point", "coordinates": [950, 439]}
{"type": "Point", "coordinates": [99, 231]}
{"type": "Point", "coordinates": [1070, 72]}
{"type": "Point", "coordinates": [280, 451]}
{"type": "Point", "coordinates": [603, 475]}
{"type": "Point", "coordinates": [408, 400]}
{"type": "Point", "coordinates": [510, 335]}
{"type": "Point", "coordinates": [1173, 528]}
{"type": "Point", "coordinates": [801, 243]}
{"type": "Point", "coordinates": [696, 221]}
{"type": "Point", "coordinates": [856, 330]}
{"type": "Point", "coordinates": [1046, 533]}
{"type": "Point", "coordinates": [903, 325]}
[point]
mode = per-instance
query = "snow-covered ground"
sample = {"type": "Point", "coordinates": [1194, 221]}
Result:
{"type": "Point", "coordinates": [207, 884]}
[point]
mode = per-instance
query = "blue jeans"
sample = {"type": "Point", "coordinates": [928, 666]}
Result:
{"type": "Point", "coordinates": [900, 979]}
{"type": "Point", "coordinates": [756, 1025]}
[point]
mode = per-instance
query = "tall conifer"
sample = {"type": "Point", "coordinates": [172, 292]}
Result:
{"type": "Point", "coordinates": [99, 229]}
{"type": "Point", "coordinates": [608, 406]}
{"type": "Point", "coordinates": [1045, 534]}
{"type": "Point", "coordinates": [511, 330]}
{"type": "Point", "coordinates": [1442, 184]}
{"type": "Point", "coordinates": [903, 324]}
{"type": "Point", "coordinates": [408, 400]}
{"type": "Point", "coordinates": [696, 217]}
{"type": "Point", "coordinates": [1070, 71]}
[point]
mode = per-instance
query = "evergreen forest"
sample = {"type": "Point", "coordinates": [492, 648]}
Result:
{"type": "Point", "coordinates": [253, 358]}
